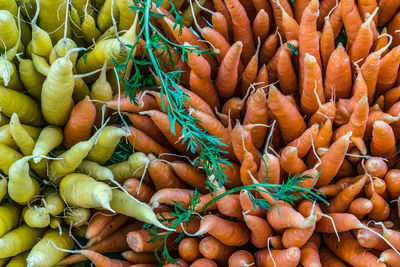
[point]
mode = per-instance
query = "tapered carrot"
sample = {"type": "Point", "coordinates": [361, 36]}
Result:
{"type": "Point", "coordinates": [144, 103]}
{"type": "Point", "coordinates": [286, 118]}
{"type": "Point", "coordinates": [278, 12]}
{"type": "Point", "coordinates": [261, 26]}
{"type": "Point", "coordinates": [257, 113]}
{"type": "Point", "coordinates": [227, 77]}
{"type": "Point", "coordinates": [288, 217]}
{"type": "Point", "coordinates": [268, 48]}
{"type": "Point", "coordinates": [350, 251]}
{"type": "Point", "coordinates": [325, 7]}
{"type": "Point", "coordinates": [220, 24]}
{"type": "Point", "coordinates": [380, 210]}
{"type": "Point", "coordinates": [286, 257]}
{"type": "Point", "coordinates": [387, 9]}
{"type": "Point", "coordinates": [162, 121]}
{"type": "Point", "coordinates": [230, 206]}
{"type": "Point", "coordinates": [327, 42]}
{"type": "Point", "coordinates": [102, 261]}
{"type": "Point", "coordinates": [351, 20]}
{"type": "Point", "coordinates": [97, 223]}
{"type": "Point", "coordinates": [220, 6]}
{"type": "Point", "coordinates": [332, 160]}
{"type": "Point", "coordinates": [179, 263]}
{"type": "Point", "coordinates": [146, 125]}
{"type": "Point", "coordinates": [232, 173]}
{"type": "Point", "coordinates": [234, 106]}
{"type": "Point", "coordinates": [290, 161]}
{"type": "Point", "coordinates": [388, 70]}
{"type": "Point", "coordinates": [308, 37]}
{"type": "Point", "coordinates": [260, 230]}
{"type": "Point", "coordinates": [189, 174]}
{"type": "Point", "coordinates": [247, 205]}
{"type": "Point", "coordinates": [369, 240]}
{"type": "Point", "coordinates": [391, 97]}
{"type": "Point", "coordinates": [329, 259]}
{"type": "Point", "coordinates": [162, 175]}
{"type": "Point", "coordinates": [113, 243]}
{"type": "Point", "coordinates": [140, 241]}
{"type": "Point", "coordinates": [213, 249]}
{"type": "Point", "coordinates": [382, 41]}
{"type": "Point", "coordinates": [383, 141]}
{"type": "Point", "coordinates": [305, 141]}
{"type": "Point", "coordinates": [228, 232]}
{"type": "Point", "coordinates": [330, 190]}
{"type": "Point", "coordinates": [241, 28]}
{"type": "Point", "coordinates": [249, 74]}
{"type": "Point", "coordinates": [189, 249]}
{"type": "Point", "coordinates": [360, 207]}
{"type": "Point", "coordinates": [262, 79]}
{"type": "Point", "coordinates": [204, 262]}
{"type": "Point", "coordinates": [248, 166]}
{"type": "Point", "coordinates": [363, 42]}
{"type": "Point", "coordinates": [296, 237]}
{"type": "Point", "coordinates": [392, 27]}
{"type": "Point", "coordinates": [286, 73]}
{"type": "Point", "coordinates": [136, 257]}
{"type": "Point", "coordinates": [309, 252]}
{"type": "Point", "coordinates": [290, 26]}
{"type": "Point", "coordinates": [139, 190]}
{"type": "Point", "coordinates": [241, 258]}
{"type": "Point", "coordinates": [272, 65]}
{"type": "Point", "coordinates": [242, 141]}
{"type": "Point", "coordinates": [338, 79]}
{"type": "Point", "coordinates": [394, 111]}
{"type": "Point", "coordinates": [324, 113]}
{"type": "Point", "coordinates": [144, 143]}
{"type": "Point", "coordinates": [342, 201]}
{"type": "Point", "coordinates": [367, 6]}
{"type": "Point", "coordinates": [80, 122]}
{"type": "Point", "coordinates": [312, 86]}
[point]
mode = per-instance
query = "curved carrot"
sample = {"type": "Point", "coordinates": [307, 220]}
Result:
{"type": "Point", "coordinates": [390, 257]}
{"type": "Point", "coordinates": [289, 257]}
{"type": "Point", "coordinates": [278, 12]}
{"type": "Point", "coordinates": [139, 190]}
{"type": "Point", "coordinates": [137, 257]}
{"type": "Point", "coordinates": [360, 207]}
{"type": "Point", "coordinates": [296, 237]}
{"type": "Point", "coordinates": [287, 217]}
{"type": "Point", "coordinates": [304, 142]}
{"type": "Point", "coordinates": [162, 175]}
{"type": "Point", "coordinates": [189, 249]}
{"type": "Point", "coordinates": [220, 24]}
{"type": "Point", "coordinates": [213, 249]}
{"type": "Point", "coordinates": [80, 123]}
{"type": "Point", "coordinates": [369, 240]}
{"type": "Point", "coordinates": [241, 258]}
{"type": "Point", "coordinates": [97, 223]}
{"type": "Point", "coordinates": [242, 141]}
{"type": "Point", "coordinates": [391, 97]}
{"type": "Point", "coordinates": [247, 167]}
{"type": "Point", "coordinates": [383, 142]}
{"type": "Point", "coordinates": [290, 161]}
{"type": "Point", "coordinates": [249, 74]}
{"type": "Point", "coordinates": [309, 252]}
{"type": "Point", "coordinates": [230, 206]}
{"type": "Point", "coordinates": [247, 205]}
{"type": "Point", "coordinates": [144, 143]}
{"type": "Point", "coordinates": [380, 210]}
{"type": "Point", "coordinates": [144, 103]}
{"type": "Point", "coordinates": [268, 48]}
{"type": "Point", "coordinates": [227, 77]}
{"type": "Point", "coordinates": [392, 27]}
{"type": "Point", "coordinates": [260, 230]}
{"type": "Point", "coordinates": [189, 174]}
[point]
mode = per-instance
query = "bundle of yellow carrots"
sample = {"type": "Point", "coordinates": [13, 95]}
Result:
{"type": "Point", "coordinates": [265, 136]}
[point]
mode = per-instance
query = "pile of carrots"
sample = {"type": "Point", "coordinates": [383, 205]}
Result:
{"type": "Point", "coordinates": [308, 88]}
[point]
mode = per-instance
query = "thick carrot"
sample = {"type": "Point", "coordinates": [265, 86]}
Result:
{"type": "Point", "coordinates": [247, 205]}
{"type": "Point", "coordinates": [268, 48]}
{"type": "Point", "coordinates": [286, 73]}
{"type": "Point", "coordinates": [350, 251]}
{"type": "Point", "coordinates": [227, 77]}
{"type": "Point", "coordinates": [189, 249]}
{"type": "Point", "coordinates": [140, 241]}
{"type": "Point", "coordinates": [391, 97]}
{"type": "Point", "coordinates": [139, 190]}
{"type": "Point", "coordinates": [324, 8]}
{"type": "Point", "coordinates": [369, 240]}
{"type": "Point", "coordinates": [383, 141]}
{"type": "Point", "coordinates": [261, 26]}
{"type": "Point", "coordinates": [242, 142]}
{"type": "Point", "coordinates": [286, 257]}
{"type": "Point", "coordinates": [376, 166]}
{"type": "Point", "coordinates": [327, 42]}
{"type": "Point", "coordinates": [241, 28]}
{"type": "Point", "coordinates": [360, 207]}
{"type": "Point", "coordinates": [162, 175]}
{"type": "Point", "coordinates": [230, 206]}
{"type": "Point", "coordinates": [286, 217]}
{"type": "Point", "coordinates": [124, 104]}
{"type": "Point", "coordinates": [80, 123]}
{"type": "Point", "coordinates": [249, 74]}
{"type": "Point", "coordinates": [309, 252]}
{"type": "Point", "coordinates": [213, 249]}
{"type": "Point", "coordinates": [329, 259]}
{"type": "Point", "coordinates": [338, 79]}
{"type": "Point", "coordinates": [387, 9]}
{"type": "Point", "coordinates": [247, 168]}
{"type": "Point", "coordinates": [296, 237]}
{"type": "Point", "coordinates": [204, 262]}
{"type": "Point", "coordinates": [241, 258]}
{"type": "Point", "coordinates": [135, 257]}
{"type": "Point", "coordinates": [336, 19]}
{"type": "Point", "coordinates": [388, 70]}
{"type": "Point", "coordinates": [291, 122]}
{"type": "Point", "coordinates": [260, 230]}
{"type": "Point", "coordinates": [380, 210]}
{"type": "Point", "coordinates": [220, 6]}
{"type": "Point", "coordinates": [290, 161]}
{"type": "Point", "coordinates": [351, 20]}
{"type": "Point", "coordinates": [392, 27]}
{"type": "Point", "coordinates": [97, 223]}
{"type": "Point", "coordinates": [390, 257]}
{"type": "Point", "coordinates": [220, 24]}
{"type": "Point", "coordinates": [189, 174]}
{"type": "Point", "coordinates": [116, 222]}
{"type": "Point", "coordinates": [144, 143]}
{"type": "Point", "coordinates": [278, 12]}
{"type": "Point", "coordinates": [290, 26]}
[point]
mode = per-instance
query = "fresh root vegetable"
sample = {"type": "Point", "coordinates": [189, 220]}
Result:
{"type": "Point", "coordinates": [49, 138]}
{"type": "Point", "coordinates": [36, 217]}
{"type": "Point", "coordinates": [76, 216]}
{"type": "Point", "coordinates": [53, 202]}
{"type": "Point", "coordinates": [9, 217]}
{"type": "Point", "coordinates": [135, 166]}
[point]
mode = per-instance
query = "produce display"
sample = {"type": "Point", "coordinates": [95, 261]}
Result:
{"type": "Point", "coordinates": [199, 133]}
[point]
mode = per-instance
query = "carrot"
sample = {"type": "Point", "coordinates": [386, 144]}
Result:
{"type": "Point", "coordinates": [336, 20]}
{"type": "Point", "coordinates": [241, 28]}
{"type": "Point", "coordinates": [374, 115]}
{"type": "Point", "coordinates": [189, 249]}
{"type": "Point", "coordinates": [291, 122]}
{"type": "Point", "coordinates": [116, 222]}
{"type": "Point", "coordinates": [394, 111]}
{"type": "Point", "coordinates": [297, 237]}
{"type": "Point", "coordinates": [113, 243]}
{"type": "Point", "coordinates": [328, 259]}
{"type": "Point", "coordinates": [287, 257]}
{"type": "Point", "coordinates": [349, 250]}
{"type": "Point", "coordinates": [260, 230]}
{"type": "Point", "coordinates": [274, 169]}
{"type": "Point", "coordinates": [124, 103]}
{"type": "Point", "coordinates": [170, 195]}
{"type": "Point", "coordinates": [139, 190]}
{"type": "Point", "coordinates": [261, 26]}
{"type": "Point", "coordinates": [290, 26]}
{"type": "Point", "coordinates": [179, 263]}
{"type": "Point", "coordinates": [213, 249]}
{"type": "Point", "coordinates": [268, 48]}
{"type": "Point", "coordinates": [363, 42]}
{"type": "Point", "coordinates": [308, 37]}
{"type": "Point", "coordinates": [278, 13]}
{"type": "Point", "coordinates": [392, 27]}
{"type": "Point", "coordinates": [227, 77]}
{"type": "Point", "coordinates": [383, 141]}
{"type": "Point", "coordinates": [249, 74]}
{"type": "Point", "coordinates": [327, 42]}
{"type": "Point", "coordinates": [242, 142]}
{"type": "Point", "coordinates": [309, 252]}
{"type": "Point", "coordinates": [369, 240]}
{"type": "Point", "coordinates": [380, 210]}
{"type": "Point", "coordinates": [376, 166]}
{"type": "Point", "coordinates": [262, 78]}
{"type": "Point", "coordinates": [241, 258]}
{"type": "Point", "coordinates": [189, 174]}
{"type": "Point", "coordinates": [390, 257]}
{"type": "Point", "coordinates": [388, 70]}
{"type": "Point", "coordinates": [247, 205]}
{"type": "Point", "coordinates": [391, 97]}
{"type": "Point", "coordinates": [228, 232]}
{"type": "Point", "coordinates": [360, 207]}
{"type": "Point", "coordinates": [325, 7]}
{"type": "Point", "coordinates": [144, 143]}
{"type": "Point", "coordinates": [286, 73]}
{"type": "Point", "coordinates": [290, 161]}
{"type": "Point", "coordinates": [332, 160]}
{"type": "Point", "coordinates": [247, 167]}
{"type": "Point", "coordinates": [162, 175]}
{"type": "Point", "coordinates": [97, 223]}
{"type": "Point", "coordinates": [387, 9]}
{"type": "Point", "coordinates": [338, 78]}
{"type": "Point", "coordinates": [351, 20]}
{"type": "Point", "coordinates": [140, 241]}
{"type": "Point", "coordinates": [220, 24]}
{"type": "Point", "coordinates": [287, 217]}
{"type": "Point", "coordinates": [204, 262]}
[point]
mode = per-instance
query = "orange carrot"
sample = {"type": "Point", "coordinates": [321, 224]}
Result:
{"type": "Point", "coordinates": [268, 48]}
{"type": "Point", "coordinates": [350, 251]}
{"type": "Point", "coordinates": [248, 166]}
{"type": "Point", "coordinates": [220, 24]}
{"type": "Point", "coordinates": [116, 222]}
{"type": "Point", "coordinates": [242, 141]}
{"type": "Point", "coordinates": [324, 8]}
{"type": "Point", "coordinates": [259, 228]}
{"type": "Point", "coordinates": [97, 223]}
{"type": "Point", "coordinates": [383, 141]}
{"type": "Point", "coordinates": [296, 237]}
{"type": "Point", "coordinates": [179, 263]}
{"type": "Point", "coordinates": [228, 232]}
{"type": "Point", "coordinates": [261, 26]}
{"type": "Point", "coordinates": [330, 190]}
{"type": "Point", "coordinates": [278, 12]}
{"type": "Point", "coordinates": [290, 26]}
{"type": "Point", "coordinates": [290, 161]}
{"type": "Point", "coordinates": [204, 262]}
{"type": "Point", "coordinates": [286, 73]}
{"type": "Point", "coordinates": [137, 257]}
{"type": "Point", "coordinates": [140, 241]}
{"type": "Point", "coordinates": [262, 78]}
{"type": "Point", "coordinates": [144, 143]}
{"type": "Point", "coordinates": [367, 6]}
{"type": "Point", "coordinates": [247, 205]}
{"type": "Point", "coordinates": [241, 258]}
{"type": "Point", "coordinates": [328, 259]}
{"type": "Point", "coordinates": [351, 20]}
{"type": "Point", "coordinates": [189, 249]}
{"type": "Point", "coordinates": [327, 42]}
{"type": "Point", "coordinates": [376, 166]}
{"type": "Point", "coordinates": [249, 74]}
{"type": "Point", "coordinates": [204, 88]}
{"type": "Point", "coordinates": [230, 206]}
{"type": "Point", "coordinates": [162, 175]}
{"type": "Point", "coordinates": [288, 257]}
{"type": "Point", "coordinates": [387, 9]}
{"type": "Point", "coordinates": [102, 261]}
{"type": "Point", "coordinates": [309, 252]}
{"type": "Point", "coordinates": [189, 174]}
{"type": "Point", "coordinates": [388, 70]}
{"type": "Point", "coordinates": [390, 257]}
{"type": "Point", "coordinates": [391, 97]}
{"type": "Point", "coordinates": [392, 27]}
{"type": "Point", "coordinates": [80, 122]}
{"type": "Point", "coordinates": [291, 122]}
{"type": "Point", "coordinates": [139, 190]}
{"type": "Point", "coordinates": [143, 103]}
{"type": "Point", "coordinates": [228, 71]}
{"type": "Point", "coordinates": [380, 210]}
{"type": "Point", "coordinates": [338, 79]}
{"type": "Point", "coordinates": [213, 249]}
{"type": "Point", "coordinates": [360, 207]}
{"type": "Point", "coordinates": [220, 6]}
{"type": "Point", "coordinates": [241, 28]}
{"type": "Point", "coordinates": [288, 217]}
{"type": "Point", "coordinates": [369, 240]}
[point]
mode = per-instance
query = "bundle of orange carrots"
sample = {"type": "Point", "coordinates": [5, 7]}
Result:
{"type": "Point", "coordinates": [305, 87]}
